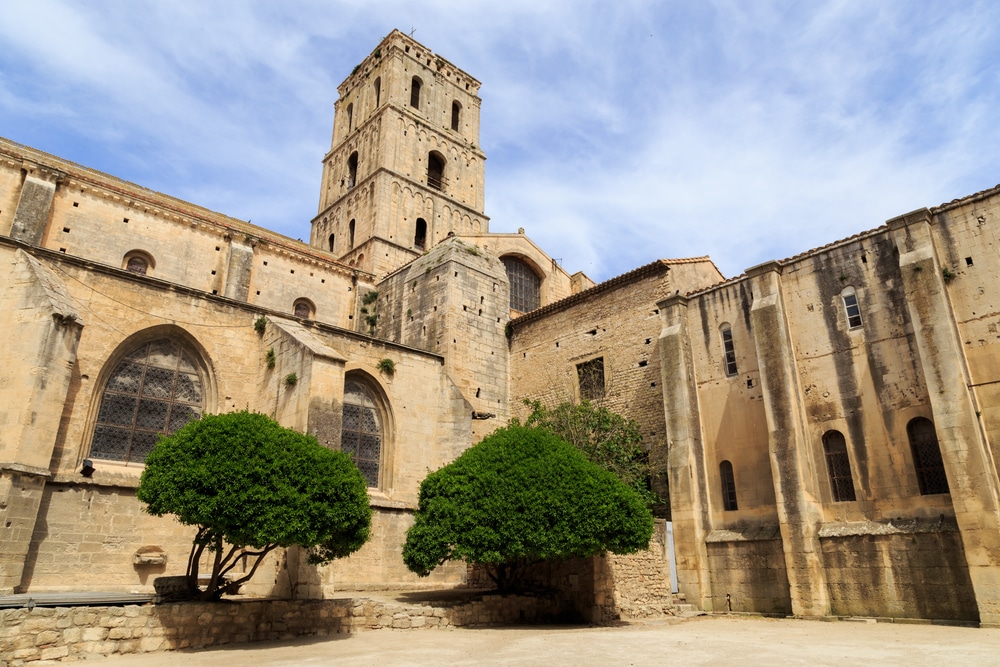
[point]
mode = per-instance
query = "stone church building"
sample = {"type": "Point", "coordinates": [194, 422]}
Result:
{"type": "Point", "coordinates": [825, 423]}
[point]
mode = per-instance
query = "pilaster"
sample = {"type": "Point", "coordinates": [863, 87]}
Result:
{"type": "Point", "coordinates": [792, 467]}
{"type": "Point", "coordinates": [965, 451]}
{"type": "Point", "coordinates": [689, 506]}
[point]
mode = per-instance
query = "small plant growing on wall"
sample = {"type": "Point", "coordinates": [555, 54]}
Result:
{"type": "Point", "coordinates": [291, 379]}
{"type": "Point", "coordinates": [387, 366]}
{"type": "Point", "coordinates": [947, 274]}
{"type": "Point", "coordinates": [369, 308]}
{"type": "Point", "coordinates": [269, 358]}
{"type": "Point", "coordinates": [260, 325]}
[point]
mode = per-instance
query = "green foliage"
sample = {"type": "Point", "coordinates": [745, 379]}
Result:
{"type": "Point", "coordinates": [250, 486]}
{"type": "Point", "coordinates": [291, 379]}
{"type": "Point", "coordinates": [606, 438]}
{"type": "Point", "coordinates": [270, 359]}
{"type": "Point", "coordinates": [387, 366]}
{"type": "Point", "coordinates": [947, 274]}
{"type": "Point", "coordinates": [522, 495]}
{"type": "Point", "coordinates": [260, 325]}
{"type": "Point", "coordinates": [371, 317]}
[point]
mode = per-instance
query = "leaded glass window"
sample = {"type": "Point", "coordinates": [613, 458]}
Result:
{"type": "Point", "coordinates": [838, 465]}
{"type": "Point", "coordinates": [361, 437]}
{"type": "Point", "coordinates": [524, 285]}
{"type": "Point", "coordinates": [154, 390]}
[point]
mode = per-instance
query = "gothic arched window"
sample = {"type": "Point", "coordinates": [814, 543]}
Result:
{"type": "Point", "coordinates": [154, 390]}
{"type": "Point", "coordinates": [456, 112]}
{"type": "Point", "coordinates": [361, 433]}
{"type": "Point", "coordinates": [525, 285]}
{"type": "Point", "coordinates": [838, 465]}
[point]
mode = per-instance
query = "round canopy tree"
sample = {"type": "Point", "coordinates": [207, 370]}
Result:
{"type": "Point", "coordinates": [520, 496]}
{"type": "Point", "coordinates": [251, 486]}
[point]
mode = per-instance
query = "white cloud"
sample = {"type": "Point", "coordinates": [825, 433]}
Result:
{"type": "Point", "coordinates": [616, 133]}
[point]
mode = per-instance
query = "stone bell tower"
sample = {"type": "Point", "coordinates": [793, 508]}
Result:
{"type": "Point", "coordinates": [404, 169]}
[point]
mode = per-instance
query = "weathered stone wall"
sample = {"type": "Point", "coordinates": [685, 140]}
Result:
{"type": "Point", "coordinates": [917, 572]}
{"type": "Point", "coordinates": [453, 302]}
{"type": "Point", "coordinates": [618, 322]}
{"type": "Point", "coordinates": [94, 526]}
{"type": "Point", "coordinates": [748, 572]}
{"type": "Point", "coordinates": [75, 633]}
{"type": "Point", "coordinates": [100, 218]}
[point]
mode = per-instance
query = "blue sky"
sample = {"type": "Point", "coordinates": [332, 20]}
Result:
{"type": "Point", "coordinates": [616, 132]}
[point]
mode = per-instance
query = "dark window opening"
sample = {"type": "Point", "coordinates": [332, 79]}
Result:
{"type": "Point", "coordinates": [853, 310]}
{"type": "Point", "coordinates": [729, 351]}
{"type": "Point", "coordinates": [137, 264]}
{"type": "Point", "coordinates": [590, 375]}
{"type": "Point", "coordinates": [838, 465]}
{"type": "Point", "coordinates": [927, 457]}
{"type": "Point", "coordinates": [524, 285]}
{"type": "Point", "coordinates": [378, 91]}
{"type": "Point", "coordinates": [331, 242]}
{"type": "Point", "coordinates": [361, 435]}
{"type": "Point", "coordinates": [415, 93]}
{"type": "Point", "coordinates": [352, 170]}
{"type": "Point", "coordinates": [420, 235]}
{"type": "Point", "coordinates": [968, 261]}
{"type": "Point", "coordinates": [154, 390]}
{"type": "Point", "coordinates": [350, 235]}
{"type": "Point", "coordinates": [728, 486]}
{"type": "Point", "coordinates": [435, 171]}
{"type": "Point", "coordinates": [350, 117]}
{"type": "Point", "coordinates": [303, 308]}
{"type": "Point", "coordinates": [456, 112]}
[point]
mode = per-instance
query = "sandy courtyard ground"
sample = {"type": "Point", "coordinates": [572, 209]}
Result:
{"type": "Point", "coordinates": [698, 641]}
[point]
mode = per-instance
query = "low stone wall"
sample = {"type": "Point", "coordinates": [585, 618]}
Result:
{"type": "Point", "coordinates": [72, 633]}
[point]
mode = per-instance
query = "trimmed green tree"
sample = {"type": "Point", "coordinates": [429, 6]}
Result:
{"type": "Point", "coordinates": [251, 486]}
{"type": "Point", "coordinates": [520, 496]}
{"type": "Point", "coordinates": [605, 437]}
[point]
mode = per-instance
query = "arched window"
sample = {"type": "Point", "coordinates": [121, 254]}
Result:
{"type": "Point", "coordinates": [303, 308]}
{"type": "Point", "coordinates": [456, 112]}
{"type": "Point", "coordinates": [361, 433]}
{"type": "Point", "coordinates": [435, 170]}
{"type": "Point", "coordinates": [728, 486]}
{"type": "Point", "coordinates": [728, 350]}
{"type": "Point", "coordinates": [378, 91]}
{"type": "Point", "coordinates": [350, 116]}
{"type": "Point", "coordinates": [352, 170]}
{"type": "Point", "coordinates": [524, 284]}
{"type": "Point", "coordinates": [138, 261]}
{"type": "Point", "coordinates": [927, 456]}
{"type": "Point", "coordinates": [838, 465]}
{"type": "Point", "coordinates": [350, 235]}
{"type": "Point", "coordinates": [415, 93]}
{"type": "Point", "coordinates": [331, 242]}
{"type": "Point", "coordinates": [420, 235]}
{"type": "Point", "coordinates": [155, 389]}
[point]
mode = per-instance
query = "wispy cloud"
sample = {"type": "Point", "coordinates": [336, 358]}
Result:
{"type": "Point", "coordinates": [616, 132]}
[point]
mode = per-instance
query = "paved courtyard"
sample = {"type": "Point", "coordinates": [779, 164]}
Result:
{"type": "Point", "coordinates": [698, 641]}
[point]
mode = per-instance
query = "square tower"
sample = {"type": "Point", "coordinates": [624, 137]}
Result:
{"type": "Point", "coordinates": [404, 169]}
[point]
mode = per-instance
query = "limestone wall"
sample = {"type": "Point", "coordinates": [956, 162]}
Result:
{"type": "Point", "coordinates": [748, 572]}
{"type": "Point", "coordinates": [618, 323]}
{"type": "Point", "coordinates": [75, 633]}
{"type": "Point", "coordinates": [917, 570]}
